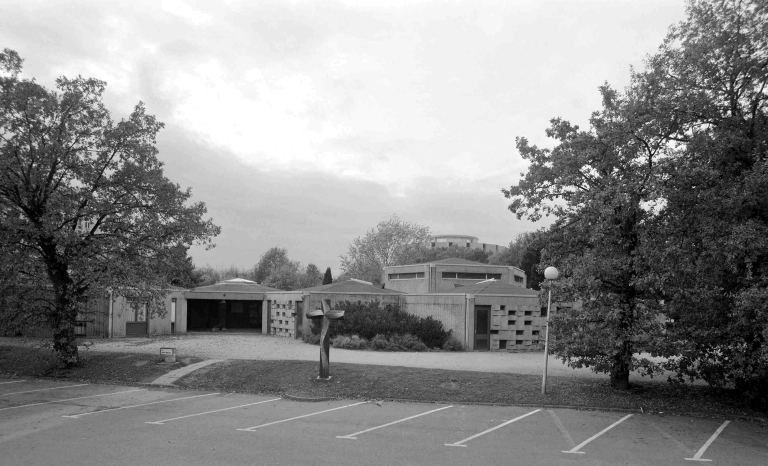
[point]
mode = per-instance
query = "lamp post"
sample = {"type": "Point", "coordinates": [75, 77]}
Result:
{"type": "Point", "coordinates": [550, 273]}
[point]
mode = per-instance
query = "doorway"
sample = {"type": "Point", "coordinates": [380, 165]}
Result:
{"type": "Point", "coordinates": [482, 328]}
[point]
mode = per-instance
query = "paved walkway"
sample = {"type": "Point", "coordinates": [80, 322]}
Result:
{"type": "Point", "coordinates": [264, 347]}
{"type": "Point", "coordinates": [171, 377]}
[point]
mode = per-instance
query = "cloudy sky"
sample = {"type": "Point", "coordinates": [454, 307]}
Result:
{"type": "Point", "coordinates": [302, 124]}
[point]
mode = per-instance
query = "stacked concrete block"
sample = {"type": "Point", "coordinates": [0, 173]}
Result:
{"type": "Point", "coordinates": [516, 328]}
{"type": "Point", "coordinates": [283, 318]}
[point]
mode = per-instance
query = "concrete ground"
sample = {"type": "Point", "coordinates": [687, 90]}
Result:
{"type": "Point", "coordinates": [52, 423]}
{"type": "Point", "coordinates": [264, 347]}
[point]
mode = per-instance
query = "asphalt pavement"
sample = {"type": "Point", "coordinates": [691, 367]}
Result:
{"type": "Point", "coordinates": [45, 422]}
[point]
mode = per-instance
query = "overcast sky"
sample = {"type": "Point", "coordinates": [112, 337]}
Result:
{"type": "Point", "coordinates": [303, 124]}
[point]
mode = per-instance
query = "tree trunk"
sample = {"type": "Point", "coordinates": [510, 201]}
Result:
{"type": "Point", "coordinates": [64, 341]}
{"type": "Point", "coordinates": [620, 369]}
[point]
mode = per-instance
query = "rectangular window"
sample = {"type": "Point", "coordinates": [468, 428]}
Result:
{"type": "Point", "coordinates": [502, 344]}
{"type": "Point", "coordinates": [519, 279]}
{"type": "Point", "coordinates": [528, 313]}
{"type": "Point", "coordinates": [510, 322]}
{"type": "Point", "coordinates": [543, 312]}
{"type": "Point", "coordinates": [527, 322]}
{"type": "Point", "coordinates": [495, 276]}
{"type": "Point", "coordinates": [406, 276]}
{"type": "Point", "coordinates": [518, 342]}
{"type": "Point", "coordinates": [519, 332]}
{"type": "Point", "coordinates": [449, 275]}
{"type": "Point", "coordinates": [535, 332]}
{"type": "Point", "coordinates": [173, 310]}
{"type": "Point", "coordinates": [137, 312]}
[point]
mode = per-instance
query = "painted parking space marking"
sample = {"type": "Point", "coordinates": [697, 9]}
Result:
{"type": "Point", "coordinates": [562, 429]}
{"type": "Point", "coordinates": [459, 443]}
{"type": "Point", "coordinates": [12, 381]}
{"type": "Point", "coordinates": [71, 399]}
{"type": "Point", "coordinates": [209, 412]}
{"type": "Point", "coordinates": [44, 389]}
{"type": "Point", "coordinates": [697, 456]}
{"type": "Point", "coordinates": [77, 416]}
{"type": "Point", "coordinates": [251, 429]}
{"type": "Point", "coordinates": [576, 449]}
{"type": "Point", "coordinates": [354, 436]}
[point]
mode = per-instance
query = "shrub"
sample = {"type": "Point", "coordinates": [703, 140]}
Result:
{"type": "Point", "coordinates": [379, 342]}
{"type": "Point", "coordinates": [311, 338]}
{"type": "Point", "coordinates": [453, 344]}
{"type": "Point", "coordinates": [353, 342]}
{"type": "Point", "coordinates": [370, 319]}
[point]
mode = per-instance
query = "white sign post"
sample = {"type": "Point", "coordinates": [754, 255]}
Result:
{"type": "Point", "coordinates": [169, 353]}
{"type": "Point", "coordinates": [550, 273]}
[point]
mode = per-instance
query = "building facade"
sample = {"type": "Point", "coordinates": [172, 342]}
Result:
{"type": "Point", "coordinates": [464, 241]}
{"type": "Point", "coordinates": [447, 274]}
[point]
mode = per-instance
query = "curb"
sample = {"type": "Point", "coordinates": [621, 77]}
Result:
{"type": "Point", "coordinates": [307, 399]}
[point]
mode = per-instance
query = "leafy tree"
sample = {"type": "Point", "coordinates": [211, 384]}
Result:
{"type": "Point", "coordinates": [597, 185]}
{"type": "Point", "coordinates": [327, 277]}
{"type": "Point", "coordinates": [711, 78]}
{"type": "Point", "coordinates": [524, 253]}
{"type": "Point", "coordinates": [269, 262]}
{"type": "Point", "coordinates": [83, 200]}
{"type": "Point", "coordinates": [312, 276]}
{"type": "Point", "coordinates": [387, 244]}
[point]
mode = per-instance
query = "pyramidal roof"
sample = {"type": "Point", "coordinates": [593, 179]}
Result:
{"type": "Point", "coordinates": [492, 287]}
{"type": "Point", "coordinates": [234, 285]}
{"type": "Point", "coordinates": [352, 286]}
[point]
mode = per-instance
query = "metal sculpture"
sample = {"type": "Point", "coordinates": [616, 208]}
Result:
{"type": "Point", "coordinates": [325, 335]}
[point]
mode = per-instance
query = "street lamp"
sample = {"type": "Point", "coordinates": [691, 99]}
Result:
{"type": "Point", "coordinates": [550, 273]}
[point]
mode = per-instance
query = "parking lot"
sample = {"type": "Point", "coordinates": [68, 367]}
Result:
{"type": "Point", "coordinates": [48, 422]}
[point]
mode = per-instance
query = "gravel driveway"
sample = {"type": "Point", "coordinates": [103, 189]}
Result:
{"type": "Point", "coordinates": [257, 346]}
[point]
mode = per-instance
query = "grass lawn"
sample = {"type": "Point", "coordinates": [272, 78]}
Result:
{"type": "Point", "coordinates": [373, 382]}
{"type": "Point", "coordinates": [122, 368]}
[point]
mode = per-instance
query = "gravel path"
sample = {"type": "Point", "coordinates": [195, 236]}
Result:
{"type": "Point", "coordinates": [257, 346]}
{"type": "Point", "coordinates": [264, 347]}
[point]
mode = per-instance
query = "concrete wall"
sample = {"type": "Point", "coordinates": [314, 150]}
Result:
{"type": "Point", "coordinates": [433, 280]}
{"type": "Point", "coordinates": [453, 311]}
{"type": "Point", "coordinates": [516, 322]}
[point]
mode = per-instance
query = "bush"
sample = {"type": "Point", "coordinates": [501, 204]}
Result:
{"type": "Point", "coordinates": [311, 338]}
{"type": "Point", "coordinates": [453, 344]}
{"type": "Point", "coordinates": [369, 319]}
{"type": "Point", "coordinates": [353, 342]}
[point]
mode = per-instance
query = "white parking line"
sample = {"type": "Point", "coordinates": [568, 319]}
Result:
{"type": "Point", "coordinates": [697, 456]}
{"type": "Point", "coordinates": [12, 381]}
{"type": "Point", "coordinates": [459, 443]}
{"type": "Point", "coordinates": [251, 429]}
{"type": "Point", "coordinates": [576, 449]}
{"type": "Point", "coordinates": [70, 399]}
{"type": "Point", "coordinates": [354, 436]}
{"type": "Point", "coordinates": [209, 412]}
{"type": "Point", "coordinates": [44, 389]}
{"type": "Point", "coordinates": [76, 416]}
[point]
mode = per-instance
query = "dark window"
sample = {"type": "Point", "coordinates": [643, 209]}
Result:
{"type": "Point", "coordinates": [494, 332]}
{"type": "Point", "coordinates": [543, 312]}
{"type": "Point", "coordinates": [510, 322]}
{"type": "Point", "coordinates": [527, 322]}
{"type": "Point", "coordinates": [449, 274]}
{"type": "Point", "coordinates": [528, 313]}
{"type": "Point", "coordinates": [405, 276]}
{"type": "Point", "coordinates": [535, 332]}
{"type": "Point", "coordinates": [471, 276]}
{"type": "Point", "coordinates": [519, 332]}
{"type": "Point", "coordinates": [502, 344]}
{"type": "Point", "coordinates": [511, 313]}
{"type": "Point", "coordinates": [519, 279]}
{"type": "Point", "coordinates": [495, 276]}
{"type": "Point", "coordinates": [518, 342]}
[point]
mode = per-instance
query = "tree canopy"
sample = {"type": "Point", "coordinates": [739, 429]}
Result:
{"type": "Point", "coordinates": [84, 202]}
{"type": "Point", "coordinates": [392, 242]}
{"type": "Point", "coordinates": [660, 209]}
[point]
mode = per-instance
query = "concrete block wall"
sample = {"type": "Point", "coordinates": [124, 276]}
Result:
{"type": "Point", "coordinates": [517, 328]}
